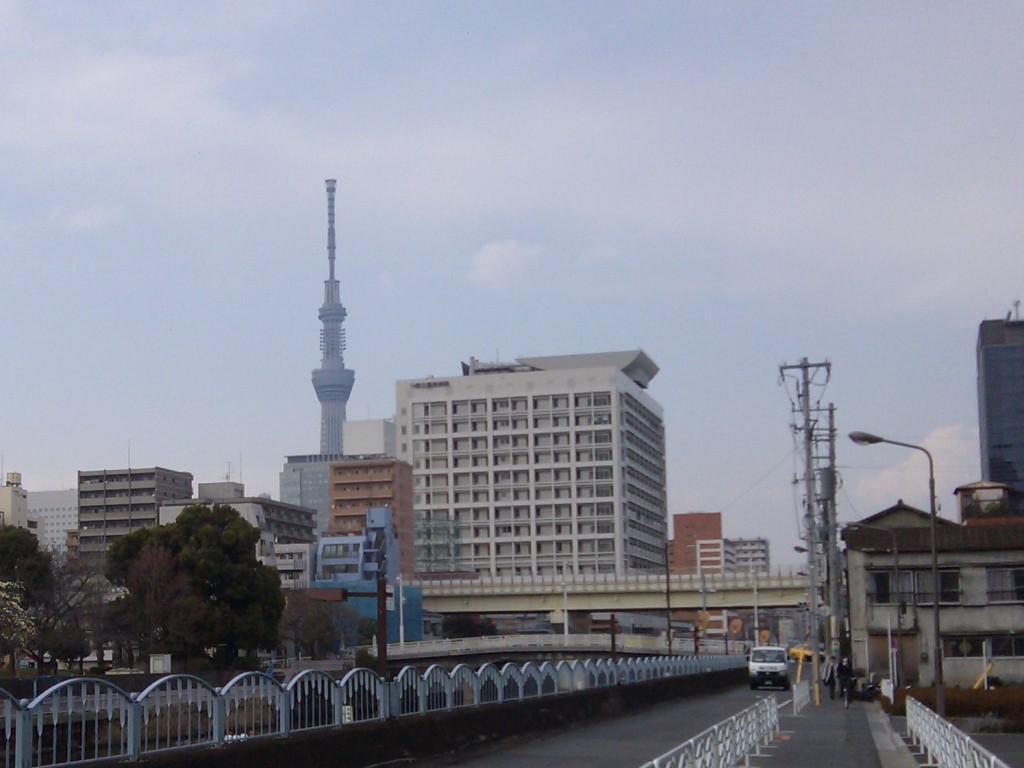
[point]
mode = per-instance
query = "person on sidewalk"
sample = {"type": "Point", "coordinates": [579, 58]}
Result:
{"type": "Point", "coordinates": [845, 674]}
{"type": "Point", "coordinates": [828, 676]}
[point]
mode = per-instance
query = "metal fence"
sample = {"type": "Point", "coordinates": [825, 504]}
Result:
{"type": "Point", "coordinates": [801, 696]}
{"type": "Point", "coordinates": [944, 744]}
{"type": "Point", "coordinates": [575, 644]}
{"type": "Point", "coordinates": [88, 719]}
{"type": "Point", "coordinates": [726, 743]}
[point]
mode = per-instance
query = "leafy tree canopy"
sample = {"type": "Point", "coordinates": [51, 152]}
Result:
{"type": "Point", "coordinates": [23, 562]}
{"type": "Point", "coordinates": [241, 600]}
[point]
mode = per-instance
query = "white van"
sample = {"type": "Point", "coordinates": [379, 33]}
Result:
{"type": "Point", "coordinates": [768, 665]}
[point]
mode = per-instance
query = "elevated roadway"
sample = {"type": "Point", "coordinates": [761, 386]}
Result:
{"type": "Point", "coordinates": [600, 593]}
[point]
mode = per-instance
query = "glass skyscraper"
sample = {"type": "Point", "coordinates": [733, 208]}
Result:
{"type": "Point", "coordinates": [1001, 402]}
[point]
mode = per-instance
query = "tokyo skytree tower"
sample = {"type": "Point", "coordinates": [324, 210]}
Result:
{"type": "Point", "coordinates": [332, 380]}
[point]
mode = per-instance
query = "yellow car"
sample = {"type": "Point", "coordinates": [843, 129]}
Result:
{"type": "Point", "coordinates": [802, 652]}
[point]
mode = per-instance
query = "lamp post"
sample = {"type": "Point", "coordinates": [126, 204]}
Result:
{"type": "Point", "coordinates": [668, 590]}
{"type": "Point", "coordinates": [865, 438]}
{"type": "Point", "coordinates": [565, 608]}
{"type": "Point", "coordinates": [899, 593]}
{"type": "Point", "coordinates": [401, 611]}
{"type": "Point", "coordinates": [753, 574]}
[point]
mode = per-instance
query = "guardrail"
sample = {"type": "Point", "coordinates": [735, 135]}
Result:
{"type": "Point", "coordinates": [649, 644]}
{"type": "Point", "coordinates": [944, 744]}
{"type": "Point", "coordinates": [801, 696]}
{"type": "Point", "coordinates": [88, 719]}
{"type": "Point", "coordinates": [726, 743]}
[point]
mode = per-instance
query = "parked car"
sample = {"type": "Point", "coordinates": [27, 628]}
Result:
{"type": "Point", "coordinates": [768, 665]}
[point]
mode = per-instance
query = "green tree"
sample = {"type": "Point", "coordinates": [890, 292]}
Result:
{"type": "Point", "coordinates": [239, 600]}
{"type": "Point", "coordinates": [23, 562]}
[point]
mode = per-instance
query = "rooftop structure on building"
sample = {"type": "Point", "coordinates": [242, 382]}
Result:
{"type": "Point", "coordinates": [114, 502]}
{"type": "Point", "coordinates": [332, 380]}
{"type": "Point", "coordinates": [14, 503]}
{"type": "Point", "coordinates": [986, 502]}
{"type": "Point", "coordinates": [55, 513]}
{"type": "Point", "coordinates": [1000, 359]}
{"type": "Point", "coordinates": [538, 465]}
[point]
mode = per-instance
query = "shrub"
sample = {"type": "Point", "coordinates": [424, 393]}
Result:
{"type": "Point", "coordinates": [1005, 703]}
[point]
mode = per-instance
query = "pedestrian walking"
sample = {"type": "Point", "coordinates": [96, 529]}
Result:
{"type": "Point", "coordinates": [828, 676]}
{"type": "Point", "coordinates": [844, 672]}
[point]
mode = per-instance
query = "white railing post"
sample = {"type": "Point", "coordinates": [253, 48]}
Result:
{"type": "Point", "coordinates": [22, 735]}
{"type": "Point", "coordinates": [219, 716]}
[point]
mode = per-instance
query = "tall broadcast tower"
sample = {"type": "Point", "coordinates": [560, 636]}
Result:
{"type": "Point", "coordinates": [332, 380]}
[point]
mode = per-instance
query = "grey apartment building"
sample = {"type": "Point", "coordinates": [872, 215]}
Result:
{"type": "Point", "coordinates": [537, 466]}
{"type": "Point", "coordinates": [114, 502]}
{"type": "Point", "coordinates": [1000, 353]}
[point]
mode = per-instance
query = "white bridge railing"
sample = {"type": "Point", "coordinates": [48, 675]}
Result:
{"type": "Point", "coordinates": [725, 744]}
{"type": "Point", "coordinates": [944, 744]}
{"type": "Point", "coordinates": [89, 719]}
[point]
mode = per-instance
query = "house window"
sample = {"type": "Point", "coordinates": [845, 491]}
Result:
{"type": "Point", "coordinates": [963, 646]}
{"type": "Point", "coordinates": [1005, 585]}
{"type": "Point", "coordinates": [1008, 645]}
{"type": "Point", "coordinates": [882, 587]}
{"type": "Point", "coordinates": [949, 587]}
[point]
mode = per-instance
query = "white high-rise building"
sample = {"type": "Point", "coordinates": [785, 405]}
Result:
{"type": "Point", "coordinates": [536, 466]}
{"type": "Point", "coordinates": [55, 513]}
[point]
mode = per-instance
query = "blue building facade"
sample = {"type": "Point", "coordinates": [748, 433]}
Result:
{"type": "Point", "coordinates": [403, 623]}
{"type": "Point", "coordinates": [1000, 354]}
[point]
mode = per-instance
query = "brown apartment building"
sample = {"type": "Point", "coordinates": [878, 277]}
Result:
{"type": "Point", "coordinates": [693, 533]}
{"type": "Point", "coordinates": [359, 483]}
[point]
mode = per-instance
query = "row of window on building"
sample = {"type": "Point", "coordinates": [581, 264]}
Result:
{"type": "Point", "coordinates": [1003, 585]}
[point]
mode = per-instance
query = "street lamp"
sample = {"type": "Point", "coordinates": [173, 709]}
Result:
{"type": "Point", "coordinates": [565, 609]}
{"type": "Point", "coordinates": [899, 595]}
{"type": "Point", "coordinates": [865, 438]}
{"type": "Point", "coordinates": [757, 633]}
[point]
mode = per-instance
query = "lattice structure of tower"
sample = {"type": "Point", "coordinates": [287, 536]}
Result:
{"type": "Point", "coordinates": [332, 380]}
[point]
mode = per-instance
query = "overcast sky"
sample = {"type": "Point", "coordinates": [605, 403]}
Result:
{"type": "Point", "coordinates": [728, 186]}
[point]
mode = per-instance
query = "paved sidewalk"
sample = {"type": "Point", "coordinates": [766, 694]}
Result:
{"type": "Point", "coordinates": [831, 736]}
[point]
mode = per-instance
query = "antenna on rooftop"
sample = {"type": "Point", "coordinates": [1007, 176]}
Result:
{"type": "Point", "coordinates": [1016, 310]}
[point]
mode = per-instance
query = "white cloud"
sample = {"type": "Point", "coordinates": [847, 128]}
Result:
{"type": "Point", "coordinates": [954, 449]}
{"type": "Point", "coordinates": [503, 262]}
{"type": "Point", "coordinates": [96, 217]}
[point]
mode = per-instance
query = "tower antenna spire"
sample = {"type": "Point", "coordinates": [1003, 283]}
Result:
{"type": "Point", "coordinates": [332, 380]}
{"type": "Point", "coordinates": [331, 184]}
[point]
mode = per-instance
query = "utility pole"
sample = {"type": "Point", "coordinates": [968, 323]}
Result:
{"type": "Point", "coordinates": [835, 571]}
{"type": "Point", "coordinates": [811, 527]}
